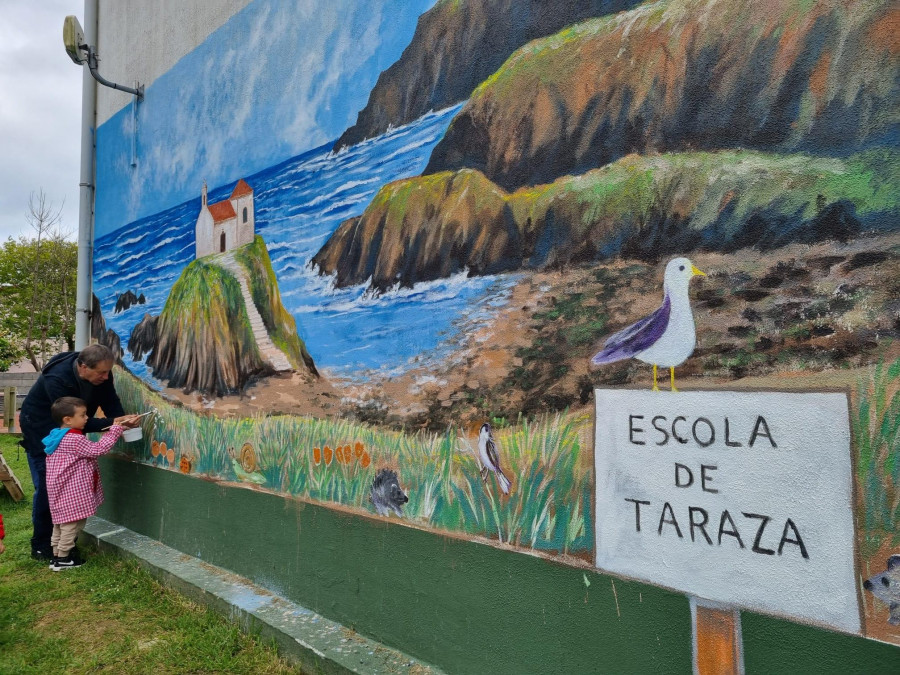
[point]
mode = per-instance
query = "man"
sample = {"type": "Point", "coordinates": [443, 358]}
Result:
{"type": "Point", "coordinates": [86, 375]}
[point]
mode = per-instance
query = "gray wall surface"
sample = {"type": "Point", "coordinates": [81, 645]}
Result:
{"type": "Point", "coordinates": [21, 381]}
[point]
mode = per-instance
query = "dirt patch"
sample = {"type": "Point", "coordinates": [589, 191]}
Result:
{"type": "Point", "coordinates": [797, 310]}
{"type": "Point", "coordinates": [68, 617]}
{"type": "Point", "coordinates": [283, 394]}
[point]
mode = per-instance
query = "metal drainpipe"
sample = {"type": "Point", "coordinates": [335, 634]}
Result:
{"type": "Point", "coordinates": [84, 287]}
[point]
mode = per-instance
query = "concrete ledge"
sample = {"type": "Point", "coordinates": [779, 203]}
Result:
{"type": "Point", "coordinates": [316, 644]}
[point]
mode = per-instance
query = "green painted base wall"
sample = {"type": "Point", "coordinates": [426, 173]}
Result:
{"type": "Point", "coordinates": [462, 606]}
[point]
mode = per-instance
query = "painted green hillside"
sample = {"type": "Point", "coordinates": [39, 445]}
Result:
{"type": "Point", "coordinates": [282, 327]}
{"type": "Point", "coordinates": [204, 340]}
{"type": "Point", "coordinates": [645, 206]}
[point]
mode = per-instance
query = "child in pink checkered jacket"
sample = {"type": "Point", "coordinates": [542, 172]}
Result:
{"type": "Point", "coordinates": [73, 477]}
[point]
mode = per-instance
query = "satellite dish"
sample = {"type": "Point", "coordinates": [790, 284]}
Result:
{"type": "Point", "coordinates": [73, 39]}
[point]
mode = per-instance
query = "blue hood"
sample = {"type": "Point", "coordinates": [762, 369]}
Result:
{"type": "Point", "coordinates": [51, 441]}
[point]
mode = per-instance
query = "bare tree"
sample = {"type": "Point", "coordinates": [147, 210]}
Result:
{"type": "Point", "coordinates": [51, 310]}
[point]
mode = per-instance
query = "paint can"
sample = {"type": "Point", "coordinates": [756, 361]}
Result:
{"type": "Point", "coordinates": [135, 434]}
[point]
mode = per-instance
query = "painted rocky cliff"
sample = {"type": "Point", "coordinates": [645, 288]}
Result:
{"type": "Point", "coordinates": [425, 229]}
{"type": "Point", "coordinates": [433, 226]}
{"type": "Point", "coordinates": [204, 340]}
{"type": "Point", "coordinates": [101, 334]}
{"type": "Point", "coordinates": [571, 152]}
{"type": "Point", "coordinates": [685, 75]}
{"type": "Point", "coordinates": [457, 44]}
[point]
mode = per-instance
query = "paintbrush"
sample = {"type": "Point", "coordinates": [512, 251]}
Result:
{"type": "Point", "coordinates": [149, 412]}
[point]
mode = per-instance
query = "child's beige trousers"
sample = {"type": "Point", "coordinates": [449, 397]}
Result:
{"type": "Point", "coordinates": [64, 535]}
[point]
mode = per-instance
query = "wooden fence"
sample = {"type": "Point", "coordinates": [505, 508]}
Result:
{"type": "Point", "coordinates": [13, 389]}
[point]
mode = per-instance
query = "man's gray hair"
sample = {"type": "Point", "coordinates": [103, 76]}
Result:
{"type": "Point", "coordinates": [93, 355]}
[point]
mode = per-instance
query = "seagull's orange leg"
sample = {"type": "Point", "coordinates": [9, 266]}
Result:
{"type": "Point", "coordinates": [655, 384]}
{"type": "Point", "coordinates": [672, 375]}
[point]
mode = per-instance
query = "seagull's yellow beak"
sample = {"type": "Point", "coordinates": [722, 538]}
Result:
{"type": "Point", "coordinates": [697, 272]}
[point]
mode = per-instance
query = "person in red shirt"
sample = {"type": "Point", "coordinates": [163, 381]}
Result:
{"type": "Point", "coordinates": [2, 534]}
{"type": "Point", "coordinates": [73, 476]}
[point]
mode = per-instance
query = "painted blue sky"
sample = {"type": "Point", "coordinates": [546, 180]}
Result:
{"type": "Point", "coordinates": [276, 80]}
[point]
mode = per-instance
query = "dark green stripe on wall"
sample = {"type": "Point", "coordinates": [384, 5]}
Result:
{"type": "Point", "coordinates": [775, 646]}
{"type": "Point", "coordinates": [463, 606]}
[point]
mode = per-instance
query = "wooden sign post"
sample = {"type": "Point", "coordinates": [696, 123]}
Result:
{"type": "Point", "coordinates": [731, 498]}
{"type": "Point", "coordinates": [717, 645]}
{"type": "Point", "coordinates": [9, 409]}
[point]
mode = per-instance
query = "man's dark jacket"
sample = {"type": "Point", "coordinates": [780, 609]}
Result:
{"type": "Point", "coordinates": [60, 378]}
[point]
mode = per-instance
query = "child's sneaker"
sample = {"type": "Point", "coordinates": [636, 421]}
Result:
{"type": "Point", "coordinates": [41, 555]}
{"type": "Point", "coordinates": [66, 563]}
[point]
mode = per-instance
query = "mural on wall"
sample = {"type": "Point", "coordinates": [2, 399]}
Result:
{"type": "Point", "coordinates": [408, 315]}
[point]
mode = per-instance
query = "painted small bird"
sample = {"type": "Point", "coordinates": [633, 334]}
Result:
{"type": "Point", "coordinates": [490, 460]}
{"type": "Point", "coordinates": [666, 337]}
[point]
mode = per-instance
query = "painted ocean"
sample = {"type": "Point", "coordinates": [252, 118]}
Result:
{"type": "Point", "coordinates": [299, 203]}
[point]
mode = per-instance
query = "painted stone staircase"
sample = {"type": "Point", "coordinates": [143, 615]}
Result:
{"type": "Point", "coordinates": [264, 343]}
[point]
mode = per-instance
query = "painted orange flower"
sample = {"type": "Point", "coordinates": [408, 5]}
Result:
{"type": "Point", "coordinates": [154, 448]}
{"type": "Point", "coordinates": [184, 465]}
{"type": "Point", "coordinates": [359, 448]}
{"type": "Point", "coordinates": [339, 454]}
{"type": "Point", "coordinates": [170, 456]}
{"type": "Point", "coordinates": [365, 460]}
{"type": "Point", "coordinates": [328, 455]}
{"type": "Point", "coordinates": [317, 456]}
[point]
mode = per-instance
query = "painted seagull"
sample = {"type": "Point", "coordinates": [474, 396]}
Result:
{"type": "Point", "coordinates": [665, 338]}
{"type": "Point", "coordinates": [490, 460]}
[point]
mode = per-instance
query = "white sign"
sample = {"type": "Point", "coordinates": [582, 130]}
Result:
{"type": "Point", "coordinates": [742, 498]}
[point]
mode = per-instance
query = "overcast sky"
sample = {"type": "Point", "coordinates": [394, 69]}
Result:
{"type": "Point", "coordinates": [40, 112]}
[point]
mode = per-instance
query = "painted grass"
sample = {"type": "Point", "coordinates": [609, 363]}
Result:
{"type": "Point", "coordinates": [548, 507]}
{"type": "Point", "coordinates": [876, 431]}
{"type": "Point", "coordinates": [108, 616]}
{"type": "Point", "coordinates": [699, 184]}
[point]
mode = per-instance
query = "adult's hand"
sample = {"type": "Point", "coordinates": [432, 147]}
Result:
{"type": "Point", "coordinates": [127, 421]}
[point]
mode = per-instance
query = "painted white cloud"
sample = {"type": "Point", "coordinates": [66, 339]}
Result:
{"type": "Point", "coordinates": [276, 80]}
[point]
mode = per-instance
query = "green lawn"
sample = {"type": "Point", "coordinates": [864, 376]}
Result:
{"type": "Point", "coordinates": [108, 616]}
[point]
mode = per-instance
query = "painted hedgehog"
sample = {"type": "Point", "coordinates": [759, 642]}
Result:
{"type": "Point", "coordinates": [387, 495]}
{"type": "Point", "coordinates": [886, 587]}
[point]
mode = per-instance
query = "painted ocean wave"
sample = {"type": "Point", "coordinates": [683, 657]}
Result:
{"type": "Point", "coordinates": [299, 203]}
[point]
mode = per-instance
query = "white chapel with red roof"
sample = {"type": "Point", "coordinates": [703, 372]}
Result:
{"type": "Point", "coordinates": [226, 224]}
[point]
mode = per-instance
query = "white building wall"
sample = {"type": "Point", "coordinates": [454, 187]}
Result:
{"type": "Point", "coordinates": [139, 40]}
{"type": "Point", "coordinates": [204, 234]}
{"type": "Point", "coordinates": [245, 230]}
{"type": "Point", "coordinates": [229, 227]}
